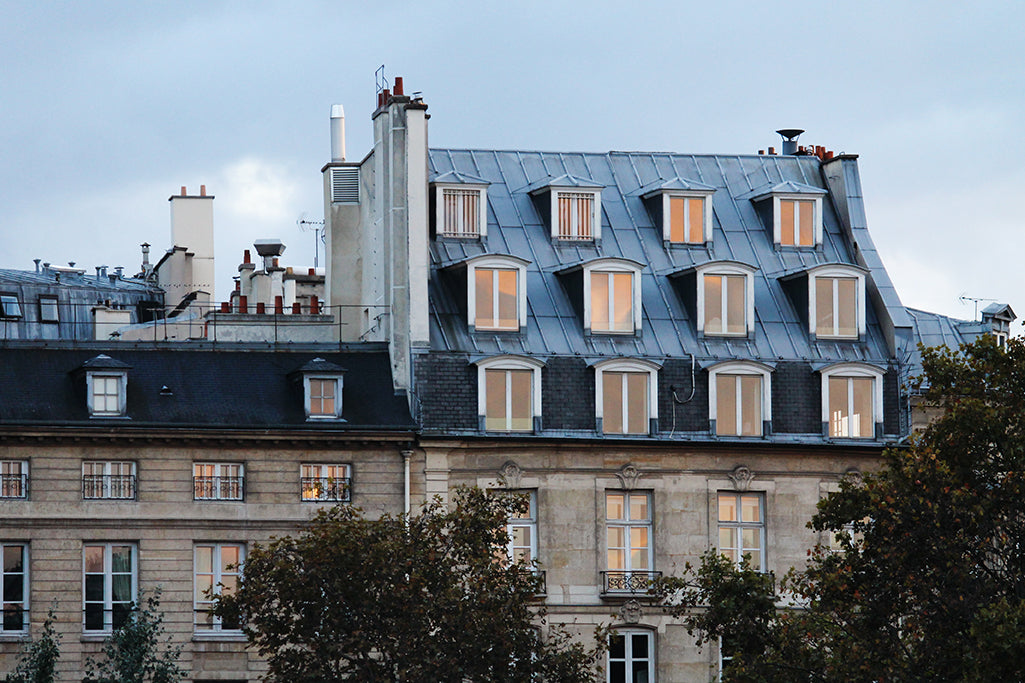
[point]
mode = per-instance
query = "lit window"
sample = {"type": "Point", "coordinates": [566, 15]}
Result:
{"type": "Point", "coordinates": [48, 311]}
{"type": "Point", "coordinates": [109, 584]}
{"type": "Point", "coordinates": [461, 212]}
{"type": "Point", "coordinates": [627, 541]}
{"type": "Point", "coordinates": [837, 302]}
{"type": "Point", "coordinates": [497, 298]}
{"type": "Point", "coordinates": [725, 304]}
{"type": "Point", "coordinates": [576, 215]}
{"type": "Point", "coordinates": [742, 527]}
{"type": "Point", "coordinates": [612, 302]}
{"type": "Point", "coordinates": [322, 389]}
{"type": "Point", "coordinates": [509, 393]}
{"type": "Point", "coordinates": [217, 569]}
{"type": "Point", "coordinates": [14, 587]}
{"type": "Point", "coordinates": [522, 528]}
{"type": "Point", "coordinates": [325, 483]}
{"type": "Point", "coordinates": [626, 397]}
{"type": "Point", "coordinates": [13, 479]}
{"type": "Point", "coordinates": [739, 399]}
{"type": "Point", "coordinates": [322, 396]}
{"type": "Point", "coordinates": [797, 222]}
{"type": "Point", "coordinates": [631, 657]}
{"type": "Point", "coordinates": [687, 220]}
{"type": "Point", "coordinates": [10, 307]}
{"type": "Point", "coordinates": [852, 398]}
{"type": "Point", "coordinates": [108, 480]}
{"type": "Point", "coordinates": [218, 481]}
{"type": "Point", "coordinates": [106, 397]}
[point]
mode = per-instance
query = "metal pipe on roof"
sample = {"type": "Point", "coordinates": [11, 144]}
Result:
{"type": "Point", "coordinates": [337, 132]}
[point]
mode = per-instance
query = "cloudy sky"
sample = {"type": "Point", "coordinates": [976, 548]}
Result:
{"type": "Point", "coordinates": [107, 108]}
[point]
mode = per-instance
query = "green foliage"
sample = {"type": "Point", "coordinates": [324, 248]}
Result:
{"type": "Point", "coordinates": [137, 652]}
{"type": "Point", "coordinates": [37, 662]}
{"type": "Point", "coordinates": [410, 598]}
{"type": "Point", "coordinates": [929, 581]}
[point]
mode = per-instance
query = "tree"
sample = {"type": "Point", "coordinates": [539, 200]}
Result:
{"type": "Point", "coordinates": [928, 583]}
{"type": "Point", "coordinates": [38, 660]}
{"type": "Point", "coordinates": [136, 652]}
{"type": "Point", "coordinates": [418, 598]}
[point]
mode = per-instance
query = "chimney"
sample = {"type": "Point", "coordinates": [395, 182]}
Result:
{"type": "Point", "coordinates": [398, 86]}
{"type": "Point", "coordinates": [269, 249]}
{"type": "Point", "coordinates": [192, 227]}
{"type": "Point", "coordinates": [337, 132]}
{"type": "Point", "coordinates": [37, 261]}
{"type": "Point", "coordinates": [145, 258]}
{"type": "Point", "coordinates": [790, 136]}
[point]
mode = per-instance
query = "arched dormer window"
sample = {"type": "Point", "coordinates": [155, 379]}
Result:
{"type": "Point", "coordinates": [852, 401]}
{"type": "Point", "coordinates": [739, 398]}
{"type": "Point", "coordinates": [836, 301]}
{"type": "Point", "coordinates": [509, 394]}
{"type": "Point", "coordinates": [496, 293]}
{"type": "Point", "coordinates": [626, 396]}
{"type": "Point", "coordinates": [720, 295]}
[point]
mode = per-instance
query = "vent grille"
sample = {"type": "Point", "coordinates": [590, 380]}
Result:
{"type": "Point", "coordinates": [345, 184]}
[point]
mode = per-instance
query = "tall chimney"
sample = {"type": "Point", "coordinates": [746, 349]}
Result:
{"type": "Point", "coordinates": [337, 132]}
{"type": "Point", "coordinates": [790, 136]}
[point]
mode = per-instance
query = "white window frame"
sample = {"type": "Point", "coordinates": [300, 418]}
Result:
{"type": "Point", "coordinates": [629, 659]}
{"type": "Point", "coordinates": [308, 492]}
{"type": "Point", "coordinates": [612, 265]}
{"type": "Point", "coordinates": [107, 489]}
{"type": "Point", "coordinates": [739, 368]}
{"type": "Point", "coordinates": [217, 476]}
{"type": "Point", "coordinates": [722, 268]}
{"type": "Point", "coordinates": [14, 485]}
{"type": "Point", "coordinates": [832, 272]}
{"type": "Point", "coordinates": [25, 592]}
{"type": "Point", "coordinates": [509, 362]}
{"type": "Point", "coordinates": [529, 522]}
{"type": "Point", "coordinates": [777, 219]}
{"type": "Point", "coordinates": [574, 235]}
{"type": "Point", "coordinates": [628, 523]}
{"type": "Point", "coordinates": [635, 365]}
{"type": "Point", "coordinates": [667, 216]}
{"type": "Point", "coordinates": [121, 379]}
{"type": "Point", "coordinates": [496, 262]}
{"type": "Point", "coordinates": [854, 370]}
{"type": "Point", "coordinates": [308, 396]}
{"type": "Point", "coordinates": [440, 215]}
{"type": "Point", "coordinates": [218, 574]}
{"type": "Point", "coordinates": [108, 572]}
{"type": "Point", "coordinates": [739, 524]}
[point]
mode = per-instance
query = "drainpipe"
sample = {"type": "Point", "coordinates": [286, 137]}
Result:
{"type": "Point", "coordinates": [406, 455]}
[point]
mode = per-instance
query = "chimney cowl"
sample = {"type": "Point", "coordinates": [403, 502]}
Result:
{"type": "Point", "coordinates": [790, 136]}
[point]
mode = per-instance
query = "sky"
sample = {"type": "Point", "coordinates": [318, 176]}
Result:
{"type": "Point", "coordinates": [107, 108]}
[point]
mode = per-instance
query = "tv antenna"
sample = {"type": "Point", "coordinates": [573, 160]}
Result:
{"type": "Point", "coordinates": [974, 299]}
{"type": "Point", "coordinates": [317, 228]}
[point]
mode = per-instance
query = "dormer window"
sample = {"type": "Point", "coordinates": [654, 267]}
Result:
{"type": "Point", "coordinates": [106, 384]}
{"type": "Point", "coordinates": [852, 401]}
{"type": "Point", "coordinates": [612, 297]}
{"type": "Point", "coordinates": [720, 294]}
{"type": "Point", "coordinates": [495, 293]}
{"type": "Point", "coordinates": [838, 304]}
{"type": "Point", "coordinates": [460, 205]}
{"type": "Point", "coordinates": [10, 307]}
{"type": "Point", "coordinates": [795, 211]}
{"type": "Point", "coordinates": [509, 393]}
{"type": "Point", "coordinates": [322, 389]}
{"type": "Point", "coordinates": [573, 206]}
{"type": "Point", "coordinates": [797, 222]}
{"type": "Point", "coordinates": [739, 399]}
{"type": "Point", "coordinates": [626, 396]}
{"type": "Point", "coordinates": [684, 209]}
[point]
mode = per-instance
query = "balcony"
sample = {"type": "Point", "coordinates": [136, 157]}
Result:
{"type": "Point", "coordinates": [14, 486]}
{"type": "Point", "coordinates": [326, 489]}
{"type": "Point", "coordinates": [218, 488]}
{"type": "Point", "coordinates": [108, 487]}
{"type": "Point", "coordinates": [628, 582]}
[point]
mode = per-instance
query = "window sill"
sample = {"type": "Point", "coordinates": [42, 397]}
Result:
{"type": "Point", "coordinates": [223, 636]}
{"type": "Point", "coordinates": [13, 636]}
{"type": "Point", "coordinates": [95, 636]}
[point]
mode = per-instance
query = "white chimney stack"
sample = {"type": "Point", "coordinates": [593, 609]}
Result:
{"type": "Point", "coordinates": [337, 133]}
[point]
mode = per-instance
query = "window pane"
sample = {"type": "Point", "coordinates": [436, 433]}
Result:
{"type": "Point", "coordinates": [204, 586]}
{"type": "Point", "coordinates": [736, 304]}
{"type": "Point", "coordinates": [94, 616]}
{"type": "Point", "coordinates": [121, 587]}
{"type": "Point", "coordinates": [121, 558]}
{"type": "Point", "coordinates": [677, 219]}
{"type": "Point", "coordinates": [494, 389]}
{"type": "Point", "coordinates": [13, 588]}
{"type": "Point", "coordinates": [639, 548]}
{"type": "Point", "coordinates": [485, 309]}
{"type": "Point", "coordinates": [94, 559]}
{"type": "Point", "coordinates": [838, 425]}
{"type": "Point", "coordinates": [755, 559]}
{"type": "Point", "coordinates": [786, 222]}
{"type": "Point", "coordinates": [750, 508]}
{"type": "Point", "coordinates": [751, 409]}
{"type": "Point", "coordinates": [522, 415]}
{"type": "Point", "coordinates": [617, 646]}
{"type": "Point", "coordinates": [751, 539]}
{"type": "Point", "coordinates": [727, 507]}
{"type": "Point", "coordinates": [94, 588]}
{"type": "Point", "coordinates": [507, 300]}
{"type": "Point", "coordinates": [713, 304]}
{"type": "Point", "coordinates": [807, 235]}
{"type": "Point", "coordinates": [615, 507]}
{"type": "Point", "coordinates": [229, 557]}
{"type": "Point", "coordinates": [612, 402]}
{"type": "Point", "coordinates": [862, 419]}
{"type": "Point", "coordinates": [617, 559]}
{"type": "Point", "coordinates": [726, 405]}
{"type": "Point", "coordinates": [637, 402]}
{"type": "Point", "coordinates": [847, 305]}
{"type": "Point", "coordinates": [824, 319]}
{"type": "Point", "coordinates": [727, 539]}
{"type": "Point", "coordinates": [600, 301]}
{"type": "Point", "coordinates": [13, 561]}
{"type": "Point", "coordinates": [639, 506]}
{"type": "Point", "coordinates": [616, 537]}
{"type": "Point", "coordinates": [696, 206]}
{"type": "Point", "coordinates": [623, 302]}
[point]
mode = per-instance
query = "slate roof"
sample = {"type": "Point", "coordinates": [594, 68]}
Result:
{"type": "Point", "coordinates": [223, 388]}
{"type": "Point", "coordinates": [74, 280]}
{"type": "Point", "coordinates": [554, 326]}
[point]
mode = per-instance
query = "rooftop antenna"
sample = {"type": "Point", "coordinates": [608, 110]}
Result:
{"type": "Point", "coordinates": [380, 80]}
{"type": "Point", "coordinates": [317, 228]}
{"type": "Point", "coordinates": [964, 299]}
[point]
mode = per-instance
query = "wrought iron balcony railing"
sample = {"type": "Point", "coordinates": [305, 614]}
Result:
{"type": "Point", "coordinates": [218, 488]}
{"type": "Point", "coordinates": [13, 486]}
{"type": "Point", "coordinates": [108, 486]}
{"type": "Point", "coordinates": [615, 582]}
{"type": "Point", "coordinates": [326, 489]}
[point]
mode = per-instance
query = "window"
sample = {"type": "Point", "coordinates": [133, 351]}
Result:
{"type": "Point", "coordinates": [797, 222]}
{"type": "Point", "coordinates": [109, 580]}
{"type": "Point", "coordinates": [522, 528]}
{"type": "Point", "coordinates": [742, 527]}
{"type": "Point", "coordinates": [576, 216]}
{"type": "Point", "coordinates": [113, 480]}
{"type": "Point", "coordinates": [48, 311]}
{"type": "Point", "coordinates": [631, 657]}
{"type": "Point", "coordinates": [320, 483]}
{"type": "Point", "coordinates": [852, 400]}
{"type": "Point", "coordinates": [322, 389]}
{"type": "Point", "coordinates": [495, 293]}
{"type": "Point", "coordinates": [684, 208]}
{"type": "Point", "coordinates": [10, 307]}
{"type": "Point", "coordinates": [628, 541]}
{"type": "Point", "coordinates": [739, 401]}
{"type": "Point", "coordinates": [837, 302]}
{"type": "Point", "coordinates": [323, 396]}
{"type": "Point", "coordinates": [13, 479]}
{"type": "Point", "coordinates": [612, 303]}
{"type": "Point", "coordinates": [217, 567]}
{"type": "Point", "coordinates": [626, 398]}
{"type": "Point", "coordinates": [572, 204]}
{"type": "Point", "coordinates": [218, 481]}
{"type": "Point", "coordinates": [14, 587]}
{"type": "Point", "coordinates": [725, 304]}
{"type": "Point", "coordinates": [461, 211]}
{"type": "Point", "coordinates": [106, 394]}
{"type": "Point", "coordinates": [686, 220]}
{"type": "Point", "coordinates": [508, 393]}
